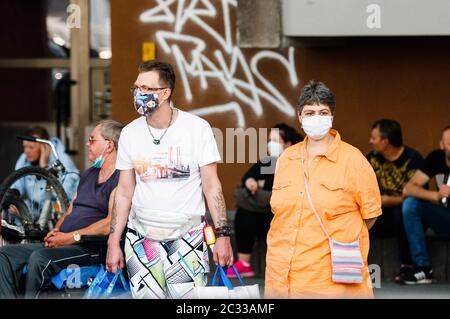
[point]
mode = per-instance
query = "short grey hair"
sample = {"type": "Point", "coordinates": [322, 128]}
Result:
{"type": "Point", "coordinates": [110, 130]}
{"type": "Point", "coordinates": [315, 93]}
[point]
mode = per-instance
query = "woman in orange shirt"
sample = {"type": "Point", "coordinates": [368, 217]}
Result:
{"type": "Point", "coordinates": [325, 195]}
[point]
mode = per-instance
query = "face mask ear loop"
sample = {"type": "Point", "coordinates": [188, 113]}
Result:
{"type": "Point", "coordinates": [104, 149]}
{"type": "Point", "coordinates": [101, 157]}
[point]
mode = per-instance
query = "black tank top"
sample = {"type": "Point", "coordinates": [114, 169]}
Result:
{"type": "Point", "coordinates": [91, 204]}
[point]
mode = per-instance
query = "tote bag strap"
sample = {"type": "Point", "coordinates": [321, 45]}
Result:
{"type": "Point", "coordinates": [223, 276]}
{"type": "Point", "coordinates": [112, 284]}
{"type": "Point", "coordinates": [219, 271]}
{"type": "Point", "coordinates": [311, 204]}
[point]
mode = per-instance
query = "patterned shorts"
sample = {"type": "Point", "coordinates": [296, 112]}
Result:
{"type": "Point", "coordinates": [167, 269]}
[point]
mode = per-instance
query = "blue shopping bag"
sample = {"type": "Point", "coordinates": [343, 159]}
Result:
{"type": "Point", "coordinates": [225, 289]}
{"type": "Point", "coordinates": [85, 274]}
{"type": "Point", "coordinates": [108, 285]}
{"type": "Point", "coordinates": [223, 279]}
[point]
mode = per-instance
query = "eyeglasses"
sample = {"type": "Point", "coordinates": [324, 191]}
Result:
{"type": "Point", "coordinates": [144, 89]}
{"type": "Point", "coordinates": [92, 141]}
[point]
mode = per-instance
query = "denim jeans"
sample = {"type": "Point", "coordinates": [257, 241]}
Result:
{"type": "Point", "coordinates": [415, 213]}
{"type": "Point", "coordinates": [390, 224]}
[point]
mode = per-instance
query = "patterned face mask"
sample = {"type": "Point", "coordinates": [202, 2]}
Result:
{"type": "Point", "coordinates": [145, 104]}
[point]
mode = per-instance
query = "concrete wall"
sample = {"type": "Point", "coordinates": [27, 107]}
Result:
{"type": "Point", "coordinates": [401, 78]}
{"type": "Point", "coordinates": [365, 17]}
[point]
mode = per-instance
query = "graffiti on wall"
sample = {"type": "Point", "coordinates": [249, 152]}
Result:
{"type": "Point", "coordinates": [221, 64]}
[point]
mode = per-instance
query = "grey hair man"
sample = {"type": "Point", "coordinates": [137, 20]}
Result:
{"type": "Point", "coordinates": [88, 214]}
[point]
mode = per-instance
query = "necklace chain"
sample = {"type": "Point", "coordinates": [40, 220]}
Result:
{"type": "Point", "coordinates": [158, 141]}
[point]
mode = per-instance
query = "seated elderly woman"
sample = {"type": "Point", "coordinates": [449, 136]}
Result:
{"type": "Point", "coordinates": [89, 214]}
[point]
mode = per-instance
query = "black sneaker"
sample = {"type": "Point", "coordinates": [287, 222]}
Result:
{"type": "Point", "coordinates": [404, 270]}
{"type": "Point", "coordinates": [420, 275]}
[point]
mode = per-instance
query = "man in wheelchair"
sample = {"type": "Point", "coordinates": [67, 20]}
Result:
{"type": "Point", "coordinates": [89, 214]}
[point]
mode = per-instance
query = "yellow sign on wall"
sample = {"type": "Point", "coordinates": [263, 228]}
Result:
{"type": "Point", "coordinates": [148, 51]}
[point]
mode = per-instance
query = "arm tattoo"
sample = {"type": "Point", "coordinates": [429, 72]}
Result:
{"type": "Point", "coordinates": [219, 203]}
{"type": "Point", "coordinates": [113, 218]}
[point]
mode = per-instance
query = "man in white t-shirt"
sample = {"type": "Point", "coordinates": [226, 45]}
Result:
{"type": "Point", "coordinates": [167, 158]}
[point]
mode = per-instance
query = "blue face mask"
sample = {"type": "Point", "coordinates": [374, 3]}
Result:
{"type": "Point", "coordinates": [145, 104]}
{"type": "Point", "coordinates": [98, 162]}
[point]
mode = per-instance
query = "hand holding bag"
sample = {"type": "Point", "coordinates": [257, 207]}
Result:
{"type": "Point", "coordinates": [227, 291]}
{"type": "Point", "coordinates": [108, 285]}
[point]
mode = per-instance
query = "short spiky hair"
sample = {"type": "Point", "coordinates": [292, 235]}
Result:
{"type": "Point", "coordinates": [391, 130]}
{"type": "Point", "coordinates": [315, 93]}
{"type": "Point", "coordinates": [164, 69]}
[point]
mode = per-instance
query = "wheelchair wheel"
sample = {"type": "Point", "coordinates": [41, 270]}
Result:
{"type": "Point", "coordinates": [41, 205]}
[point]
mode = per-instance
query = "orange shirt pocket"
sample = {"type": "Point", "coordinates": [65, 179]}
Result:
{"type": "Point", "coordinates": [336, 213]}
{"type": "Point", "coordinates": [340, 210]}
{"type": "Point", "coordinates": [333, 197]}
{"type": "Point", "coordinates": [283, 196]}
{"type": "Point", "coordinates": [337, 201]}
{"type": "Point", "coordinates": [282, 185]}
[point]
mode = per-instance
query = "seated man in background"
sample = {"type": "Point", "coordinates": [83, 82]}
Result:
{"type": "Point", "coordinates": [39, 154]}
{"type": "Point", "coordinates": [427, 206]}
{"type": "Point", "coordinates": [89, 214]}
{"type": "Point", "coordinates": [394, 164]}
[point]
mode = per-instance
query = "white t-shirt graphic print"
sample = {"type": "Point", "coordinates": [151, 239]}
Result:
{"type": "Point", "coordinates": [166, 164]}
{"type": "Point", "coordinates": [168, 181]}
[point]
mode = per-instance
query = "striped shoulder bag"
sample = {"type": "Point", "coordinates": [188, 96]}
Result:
{"type": "Point", "coordinates": [346, 259]}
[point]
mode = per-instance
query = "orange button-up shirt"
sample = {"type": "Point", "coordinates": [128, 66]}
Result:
{"type": "Point", "coordinates": [344, 191]}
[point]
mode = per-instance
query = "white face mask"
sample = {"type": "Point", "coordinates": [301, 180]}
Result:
{"type": "Point", "coordinates": [275, 149]}
{"type": "Point", "coordinates": [317, 126]}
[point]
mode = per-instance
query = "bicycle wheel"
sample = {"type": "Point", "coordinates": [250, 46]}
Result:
{"type": "Point", "coordinates": [44, 200]}
{"type": "Point", "coordinates": [11, 233]}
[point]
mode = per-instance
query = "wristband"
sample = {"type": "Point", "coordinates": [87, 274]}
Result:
{"type": "Point", "coordinates": [223, 231]}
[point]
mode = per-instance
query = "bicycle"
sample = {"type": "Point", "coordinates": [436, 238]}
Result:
{"type": "Point", "coordinates": [24, 207]}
